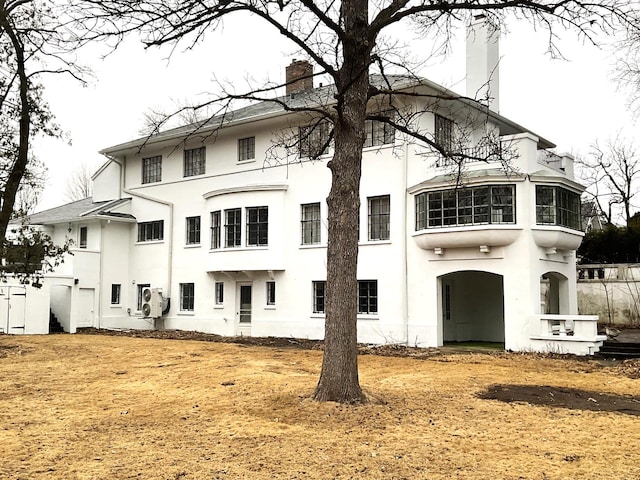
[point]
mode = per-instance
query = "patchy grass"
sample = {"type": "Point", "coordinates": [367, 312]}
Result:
{"type": "Point", "coordinates": [115, 407]}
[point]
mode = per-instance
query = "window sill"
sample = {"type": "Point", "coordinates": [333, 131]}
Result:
{"type": "Point", "coordinates": [378, 147]}
{"type": "Point", "coordinates": [317, 315]}
{"type": "Point", "coordinates": [218, 307]}
{"type": "Point", "coordinates": [374, 242]}
{"type": "Point", "coordinates": [186, 314]}
{"type": "Point", "coordinates": [238, 249]}
{"type": "Point", "coordinates": [363, 316]}
{"type": "Point", "coordinates": [311, 246]}
{"type": "Point", "coordinates": [269, 307]}
{"type": "Point", "coordinates": [150, 242]}
{"type": "Point", "coordinates": [115, 305]}
{"type": "Point", "coordinates": [244, 162]}
{"type": "Point", "coordinates": [193, 245]}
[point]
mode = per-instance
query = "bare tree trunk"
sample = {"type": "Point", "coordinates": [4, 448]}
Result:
{"type": "Point", "coordinates": [20, 165]}
{"type": "Point", "coordinates": [339, 376]}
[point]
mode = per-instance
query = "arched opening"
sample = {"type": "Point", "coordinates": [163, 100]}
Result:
{"type": "Point", "coordinates": [472, 307]}
{"type": "Point", "coordinates": [554, 293]}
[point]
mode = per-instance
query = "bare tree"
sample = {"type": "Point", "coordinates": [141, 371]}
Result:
{"type": "Point", "coordinates": [352, 42]}
{"type": "Point", "coordinates": [612, 175]}
{"type": "Point", "coordinates": [79, 183]}
{"type": "Point", "coordinates": [33, 42]}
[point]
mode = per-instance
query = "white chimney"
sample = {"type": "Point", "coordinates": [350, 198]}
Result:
{"type": "Point", "coordinates": [483, 57]}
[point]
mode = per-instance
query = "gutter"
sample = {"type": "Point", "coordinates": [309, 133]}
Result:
{"type": "Point", "coordinates": [169, 237]}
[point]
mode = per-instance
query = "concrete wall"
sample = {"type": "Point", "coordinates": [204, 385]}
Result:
{"type": "Point", "coordinates": [610, 291]}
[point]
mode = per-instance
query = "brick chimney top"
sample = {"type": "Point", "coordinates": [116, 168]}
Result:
{"type": "Point", "coordinates": [299, 75]}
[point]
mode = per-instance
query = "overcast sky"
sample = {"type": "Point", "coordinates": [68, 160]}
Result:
{"type": "Point", "coordinates": [571, 103]}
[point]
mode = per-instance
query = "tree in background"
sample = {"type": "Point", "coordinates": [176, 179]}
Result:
{"type": "Point", "coordinates": [79, 183]}
{"type": "Point", "coordinates": [611, 174]}
{"type": "Point", "coordinates": [33, 43]}
{"type": "Point", "coordinates": [351, 41]}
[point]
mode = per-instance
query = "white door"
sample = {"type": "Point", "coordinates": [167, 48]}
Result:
{"type": "Point", "coordinates": [243, 309]}
{"type": "Point", "coordinates": [12, 308]}
{"type": "Point", "coordinates": [86, 297]}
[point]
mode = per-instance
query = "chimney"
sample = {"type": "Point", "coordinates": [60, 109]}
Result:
{"type": "Point", "coordinates": [483, 57]}
{"type": "Point", "coordinates": [299, 76]}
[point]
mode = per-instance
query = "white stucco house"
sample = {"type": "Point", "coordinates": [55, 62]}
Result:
{"type": "Point", "coordinates": [199, 232]}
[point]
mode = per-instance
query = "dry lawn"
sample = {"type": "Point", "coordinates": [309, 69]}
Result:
{"type": "Point", "coordinates": [106, 407]}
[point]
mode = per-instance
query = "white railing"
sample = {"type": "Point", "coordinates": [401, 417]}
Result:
{"type": "Point", "coordinates": [577, 334]}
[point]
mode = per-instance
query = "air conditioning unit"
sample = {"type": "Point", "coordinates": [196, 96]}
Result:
{"type": "Point", "coordinates": [151, 302]}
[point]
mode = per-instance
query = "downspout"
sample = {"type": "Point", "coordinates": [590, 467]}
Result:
{"type": "Point", "coordinates": [170, 223]}
{"type": "Point", "coordinates": [405, 235]}
{"type": "Point", "coordinates": [100, 280]}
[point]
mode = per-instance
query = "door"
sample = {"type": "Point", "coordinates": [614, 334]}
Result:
{"type": "Point", "coordinates": [12, 308]}
{"type": "Point", "coordinates": [86, 298]}
{"type": "Point", "coordinates": [244, 294]}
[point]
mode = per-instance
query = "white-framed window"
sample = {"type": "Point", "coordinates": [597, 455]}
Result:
{"type": "Point", "coordinates": [558, 206]}
{"type": "Point", "coordinates": [271, 293]}
{"type": "Point", "coordinates": [232, 227]}
{"type": "Point", "coordinates": [379, 133]}
{"type": "Point", "coordinates": [314, 139]}
{"type": "Point", "coordinates": [216, 228]}
{"type": "Point", "coordinates": [141, 287]}
{"type": "Point", "coordinates": [219, 293]}
{"type": "Point", "coordinates": [193, 230]}
{"type": "Point", "coordinates": [379, 209]}
{"type": "Point", "coordinates": [367, 296]}
{"type": "Point", "coordinates": [194, 161]}
{"type": "Point", "coordinates": [116, 289]}
{"type": "Point", "coordinates": [489, 204]}
{"type": "Point", "coordinates": [84, 232]}
{"type": "Point", "coordinates": [257, 226]}
{"type": "Point", "coordinates": [444, 132]}
{"type": "Point", "coordinates": [152, 169]}
{"type": "Point", "coordinates": [187, 297]}
{"type": "Point", "coordinates": [319, 288]}
{"type": "Point", "coordinates": [310, 223]}
{"type": "Point", "coordinates": [246, 149]}
{"type": "Point", "coordinates": [151, 231]}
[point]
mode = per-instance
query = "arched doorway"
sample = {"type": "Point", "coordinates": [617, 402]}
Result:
{"type": "Point", "coordinates": [472, 306]}
{"type": "Point", "coordinates": [554, 293]}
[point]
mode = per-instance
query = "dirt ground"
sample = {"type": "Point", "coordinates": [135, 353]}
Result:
{"type": "Point", "coordinates": [187, 406]}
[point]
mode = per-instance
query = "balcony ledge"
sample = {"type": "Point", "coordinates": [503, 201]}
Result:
{"type": "Point", "coordinates": [466, 237]}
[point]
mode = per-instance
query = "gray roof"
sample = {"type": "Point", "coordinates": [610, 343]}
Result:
{"type": "Point", "coordinates": [318, 96]}
{"type": "Point", "coordinates": [78, 210]}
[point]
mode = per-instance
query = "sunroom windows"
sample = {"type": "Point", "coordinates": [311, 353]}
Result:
{"type": "Point", "coordinates": [488, 204]}
{"type": "Point", "coordinates": [557, 206]}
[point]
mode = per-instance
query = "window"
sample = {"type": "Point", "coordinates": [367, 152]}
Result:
{"type": "Point", "coordinates": [444, 133]}
{"type": "Point", "coordinates": [152, 169]}
{"type": "Point", "coordinates": [246, 149]}
{"type": "Point", "coordinates": [257, 226]}
{"type": "Point", "coordinates": [194, 161]}
{"type": "Point", "coordinates": [186, 297]}
{"type": "Point", "coordinates": [219, 293]}
{"type": "Point", "coordinates": [215, 229]}
{"type": "Point", "coordinates": [232, 225]}
{"type": "Point", "coordinates": [313, 140]}
{"type": "Point", "coordinates": [271, 293]}
{"type": "Point", "coordinates": [193, 230]}
{"type": "Point", "coordinates": [310, 223]}
{"type": "Point", "coordinates": [469, 206]}
{"type": "Point", "coordinates": [379, 217]}
{"type": "Point", "coordinates": [318, 296]}
{"type": "Point", "coordinates": [151, 231]}
{"type": "Point", "coordinates": [83, 237]}
{"type": "Point", "coordinates": [115, 293]}
{"type": "Point", "coordinates": [367, 296]}
{"type": "Point", "coordinates": [141, 287]}
{"type": "Point", "coordinates": [378, 133]}
{"type": "Point", "coordinates": [557, 206]}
